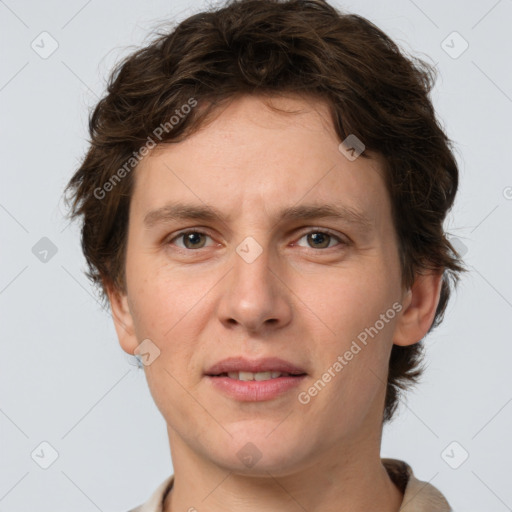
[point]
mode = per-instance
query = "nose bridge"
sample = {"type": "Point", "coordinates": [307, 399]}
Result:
{"type": "Point", "coordinates": [251, 268]}
{"type": "Point", "coordinates": [253, 296]}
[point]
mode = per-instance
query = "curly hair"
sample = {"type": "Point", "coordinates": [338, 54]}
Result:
{"type": "Point", "coordinates": [277, 47]}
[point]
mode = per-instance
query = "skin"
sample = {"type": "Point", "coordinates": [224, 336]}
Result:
{"type": "Point", "coordinates": [295, 301]}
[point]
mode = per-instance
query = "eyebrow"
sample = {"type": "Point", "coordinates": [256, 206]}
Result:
{"type": "Point", "coordinates": [180, 211]}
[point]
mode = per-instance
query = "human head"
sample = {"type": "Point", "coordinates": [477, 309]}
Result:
{"type": "Point", "coordinates": [275, 48]}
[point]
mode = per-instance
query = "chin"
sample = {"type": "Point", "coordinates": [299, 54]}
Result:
{"type": "Point", "coordinates": [262, 450]}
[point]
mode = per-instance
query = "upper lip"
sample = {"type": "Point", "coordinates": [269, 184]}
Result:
{"type": "Point", "coordinates": [241, 364]}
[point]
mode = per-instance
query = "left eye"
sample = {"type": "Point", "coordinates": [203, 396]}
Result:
{"type": "Point", "coordinates": [320, 239]}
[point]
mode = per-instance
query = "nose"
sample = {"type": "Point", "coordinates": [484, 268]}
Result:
{"type": "Point", "coordinates": [254, 296]}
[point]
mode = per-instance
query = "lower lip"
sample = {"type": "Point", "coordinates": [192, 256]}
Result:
{"type": "Point", "coordinates": [253, 390]}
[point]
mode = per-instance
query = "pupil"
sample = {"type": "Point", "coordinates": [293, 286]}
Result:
{"type": "Point", "coordinates": [319, 237]}
{"type": "Point", "coordinates": [193, 239]}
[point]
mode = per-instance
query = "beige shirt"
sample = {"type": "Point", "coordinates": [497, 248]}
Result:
{"type": "Point", "coordinates": [419, 496]}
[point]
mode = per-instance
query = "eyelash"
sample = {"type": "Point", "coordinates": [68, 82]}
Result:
{"type": "Point", "coordinates": [343, 242]}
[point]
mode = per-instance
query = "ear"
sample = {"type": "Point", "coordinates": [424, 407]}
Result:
{"type": "Point", "coordinates": [419, 309]}
{"type": "Point", "coordinates": [123, 320]}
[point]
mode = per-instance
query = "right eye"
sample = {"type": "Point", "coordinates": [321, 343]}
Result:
{"type": "Point", "coordinates": [190, 239]}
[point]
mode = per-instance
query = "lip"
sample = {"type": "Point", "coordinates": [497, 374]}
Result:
{"type": "Point", "coordinates": [254, 391]}
{"type": "Point", "coordinates": [242, 364]}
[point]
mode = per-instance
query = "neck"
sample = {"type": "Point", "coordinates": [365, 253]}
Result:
{"type": "Point", "coordinates": [345, 479]}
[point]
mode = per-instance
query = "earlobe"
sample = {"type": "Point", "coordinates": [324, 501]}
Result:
{"type": "Point", "coordinates": [420, 305]}
{"type": "Point", "coordinates": [122, 317]}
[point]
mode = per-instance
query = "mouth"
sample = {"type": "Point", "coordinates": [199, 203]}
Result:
{"type": "Point", "coordinates": [254, 380]}
{"type": "Point", "coordinates": [258, 376]}
{"type": "Point", "coordinates": [241, 368]}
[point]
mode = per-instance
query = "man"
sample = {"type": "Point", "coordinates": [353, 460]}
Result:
{"type": "Point", "coordinates": [263, 204]}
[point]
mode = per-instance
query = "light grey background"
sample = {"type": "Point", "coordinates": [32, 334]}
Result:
{"type": "Point", "coordinates": [64, 378]}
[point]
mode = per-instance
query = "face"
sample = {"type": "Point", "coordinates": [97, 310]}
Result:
{"type": "Point", "coordinates": [257, 242]}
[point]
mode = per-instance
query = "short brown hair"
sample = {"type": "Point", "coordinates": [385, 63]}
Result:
{"type": "Point", "coordinates": [275, 47]}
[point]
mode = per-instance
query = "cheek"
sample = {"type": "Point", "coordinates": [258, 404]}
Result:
{"type": "Point", "coordinates": [165, 307]}
{"type": "Point", "coordinates": [161, 311]}
{"type": "Point", "coordinates": [351, 308]}
{"type": "Point", "coordinates": [346, 304]}
{"type": "Point", "coordinates": [158, 300]}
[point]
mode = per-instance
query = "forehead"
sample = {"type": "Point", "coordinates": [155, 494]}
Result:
{"type": "Point", "coordinates": [252, 158]}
